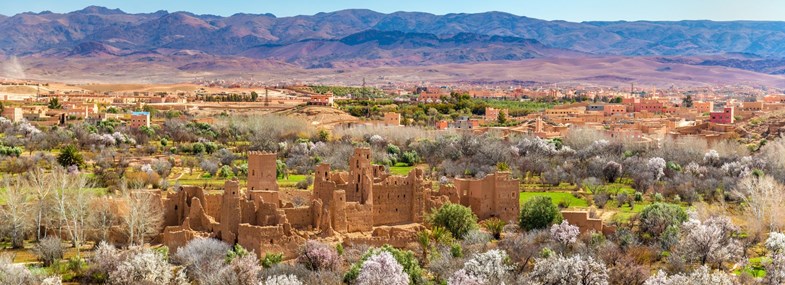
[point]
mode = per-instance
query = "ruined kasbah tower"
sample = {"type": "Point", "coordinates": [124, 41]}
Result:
{"type": "Point", "coordinates": [364, 205]}
{"type": "Point", "coordinates": [262, 171]}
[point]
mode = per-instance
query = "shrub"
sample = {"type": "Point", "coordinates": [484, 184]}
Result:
{"type": "Point", "coordinates": [404, 257]}
{"type": "Point", "coordinates": [539, 213]}
{"type": "Point", "coordinates": [456, 218]}
{"type": "Point", "coordinates": [304, 184]}
{"type": "Point", "coordinates": [775, 270]}
{"type": "Point", "coordinates": [271, 259]}
{"type": "Point", "coordinates": [776, 243]}
{"type": "Point", "coordinates": [410, 158]}
{"type": "Point", "coordinates": [382, 268]}
{"type": "Point", "coordinates": [202, 258]}
{"type": "Point", "coordinates": [612, 171]}
{"type": "Point", "coordinates": [225, 172]}
{"type": "Point", "coordinates": [601, 198]}
{"type": "Point", "coordinates": [70, 155]}
{"type": "Point", "coordinates": [318, 256]}
{"type": "Point", "coordinates": [494, 226]}
{"type": "Point", "coordinates": [622, 199]}
{"type": "Point", "coordinates": [104, 260]}
{"type": "Point", "coordinates": [49, 250]}
{"type": "Point", "coordinates": [11, 273]}
{"type": "Point", "coordinates": [657, 217]}
{"type": "Point", "coordinates": [243, 270]}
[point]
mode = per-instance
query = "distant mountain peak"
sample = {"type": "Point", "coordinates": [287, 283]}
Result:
{"type": "Point", "coordinates": [99, 10]}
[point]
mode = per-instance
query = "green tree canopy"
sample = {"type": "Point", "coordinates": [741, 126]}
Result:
{"type": "Point", "coordinates": [539, 213]}
{"type": "Point", "coordinates": [456, 218]}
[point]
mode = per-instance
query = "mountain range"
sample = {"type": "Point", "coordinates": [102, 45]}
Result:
{"type": "Point", "coordinates": [364, 38]}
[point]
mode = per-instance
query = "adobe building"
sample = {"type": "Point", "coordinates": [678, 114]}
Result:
{"type": "Point", "coordinates": [726, 116]}
{"type": "Point", "coordinates": [387, 209]}
{"type": "Point", "coordinates": [366, 196]}
{"type": "Point", "coordinates": [262, 171]}
{"type": "Point", "coordinates": [257, 224]}
{"type": "Point", "coordinates": [140, 119]}
{"type": "Point", "coordinates": [392, 119]}
{"type": "Point", "coordinates": [493, 196]}
{"type": "Point", "coordinates": [13, 114]}
{"type": "Point", "coordinates": [585, 223]}
{"type": "Point", "coordinates": [321, 99]}
{"type": "Point", "coordinates": [614, 110]}
{"type": "Point", "coordinates": [442, 124]}
{"type": "Point", "coordinates": [703, 107]}
{"type": "Point", "coordinates": [649, 105]}
{"type": "Point", "coordinates": [492, 114]}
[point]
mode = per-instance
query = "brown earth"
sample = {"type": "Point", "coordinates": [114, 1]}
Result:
{"type": "Point", "coordinates": [601, 71]}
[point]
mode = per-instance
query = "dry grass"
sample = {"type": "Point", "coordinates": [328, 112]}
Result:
{"type": "Point", "coordinates": [27, 254]}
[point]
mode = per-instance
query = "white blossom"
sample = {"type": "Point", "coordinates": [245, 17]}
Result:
{"type": "Point", "coordinates": [53, 280]}
{"type": "Point", "coordinates": [565, 233]}
{"type": "Point", "coordinates": [28, 129]}
{"type": "Point", "coordinates": [382, 268]}
{"type": "Point", "coordinates": [577, 269]}
{"type": "Point", "coordinates": [145, 266]}
{"type": "Point", "coordinates": [776, 242]}
{"type": "Point", "coordinates": [487, 268]}
{"type": "Point", "coordinates": [775, 270]}
{"type": "Point", "coordinates": [14, 273]}
{"type": "Point", "coordinates": [376, 139]}
{"type": "Point", "coordinates": [282, 280]}
{"type": "Point", "coordinates": [701, 276]}
{"type": "Point", "coordinates": [710, 241]}
{"type": "Point", "coordinates": [657, 166]}
{"type": "Point", "coordinates": [711, 157]}
{"type": "Point", "coordinates": [460, 277]}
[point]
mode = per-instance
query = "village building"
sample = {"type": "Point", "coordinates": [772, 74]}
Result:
{"type": "Point", "coordinates": [726, 116]}
{"type": "Point", "coordinates": [139, 119]}
{"type": "Point", "coordinates": [492, 114]}
{"type": "Point", "coordinates": [321, 99]}
{"type": "Point", "coordinates": [392, 119]}
{"type": "Point", "coordinates": [14, 114]}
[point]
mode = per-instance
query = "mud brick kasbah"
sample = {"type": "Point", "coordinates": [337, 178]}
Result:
{"type": "Point", "coordinates": [365, 205]}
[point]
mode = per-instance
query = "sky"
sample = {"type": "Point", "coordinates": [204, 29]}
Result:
{"type": "Point", "coordinates": [569, 10]}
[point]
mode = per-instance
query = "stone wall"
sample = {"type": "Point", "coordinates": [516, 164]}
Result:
{"type": "Point", "coordinates": [495, 195]}
{"type": "Point", "coordinates": [301, 218]}
{"type": "Point", "coordinates": [359, 217]}
{"type": "Point", "coordinates": [393, 201]}
{"type": "Point", "coordinates": [269, 239]}
{"type": "Point", "coordinates": [582, 220]}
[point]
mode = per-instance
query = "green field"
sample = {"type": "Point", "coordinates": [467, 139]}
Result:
{"type": "Point", "coordinates": [292, 180]}
{"type": "Point", "coordinates": [555, 197]}
{"type": "Point", "coordinates": [401, 169]}
{"type": "Point", "coordinates": [518, 108]}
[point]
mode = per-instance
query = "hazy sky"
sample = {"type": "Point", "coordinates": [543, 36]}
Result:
{"type": "Point", "coordinates": [570, 10]}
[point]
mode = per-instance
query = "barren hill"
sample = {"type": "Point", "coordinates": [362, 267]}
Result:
{"type": "Point", "coordinates": [101, 44]}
